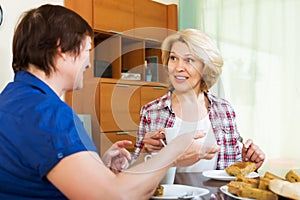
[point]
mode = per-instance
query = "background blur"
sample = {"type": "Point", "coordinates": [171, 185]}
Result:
{"type": "Point", "coordinates": [259, 41]}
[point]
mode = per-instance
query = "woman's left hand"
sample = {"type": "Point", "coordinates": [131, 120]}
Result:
{"type": "Point", "coordinates": [117, 157]}
{"type": "Point", "coordinates": [253, 153]}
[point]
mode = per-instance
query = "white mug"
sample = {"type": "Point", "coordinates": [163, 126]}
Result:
{"type": "Point", "coordinates": [169, 177]}
{"type": "Point", "coordinates": [171, 133]}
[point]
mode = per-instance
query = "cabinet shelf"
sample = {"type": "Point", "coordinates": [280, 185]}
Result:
{"type": "Point", "coordinates": [119, 53]}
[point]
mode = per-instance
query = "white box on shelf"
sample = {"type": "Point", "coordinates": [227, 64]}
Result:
{"type": "Point", "coordinates": [131, 76]}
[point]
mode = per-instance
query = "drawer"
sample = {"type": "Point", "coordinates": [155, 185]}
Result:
{"type": "Point", "coordinates": [109, 138]}
{"type": "Point", "coordinates": [119, 107]}
{"type": "Point", "coordinates": [149, 93]}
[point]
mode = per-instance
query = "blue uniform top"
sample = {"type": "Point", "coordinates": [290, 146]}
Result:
{"type": "Point", "coordinates": [37, 130]}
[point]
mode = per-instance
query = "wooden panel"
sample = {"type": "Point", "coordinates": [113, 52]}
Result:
{"type": "Point", "coordinates": [119, 107]}
{"type": "Point", "coordinates": [172, 17]}
{"type": "Point", "coordinates": [150, 93]}
{"type": "Point", "coordinates": [133, 54]}
{"type": "Point", "coordinates": [108, 138]}
{"type": "Point", "coordinates": [109, 49]}
{"type": "Point", "coordinates": [113, 15]}
{"type": "Point", "coordinates": [83, 9]}
{"type": "Point", "coordinates": [150, 14]}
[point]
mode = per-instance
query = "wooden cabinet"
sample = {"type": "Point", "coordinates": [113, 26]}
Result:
{"type": "Point", "coordinates": [83, 9]}
{"type": "Point", "coordinates": [127, 32]}
{"type": "Point", "coordinates": [119, 111]}
{"type": "Point", "coordinates": [113, 15]}
{"type": "Point", "coordinates": [149, 93]}
{"type": "Point", "coordinates": [124, 53]}
{"type": "Point", "coordinates": [108, 138]}
{"type": "Point", "coordinates": [119, 106]}
{"type": "Point", "coordinates": [125, 15]}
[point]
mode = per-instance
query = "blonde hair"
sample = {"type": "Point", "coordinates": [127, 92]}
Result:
{"type": "Point", "coordinates": [203, 48]}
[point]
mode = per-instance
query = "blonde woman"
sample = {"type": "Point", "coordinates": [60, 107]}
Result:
{"type": "Point", "coordinates": [194, 64]}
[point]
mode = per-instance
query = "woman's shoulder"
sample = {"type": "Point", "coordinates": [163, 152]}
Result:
{"type": "Point", "coordinates": [219, 101]}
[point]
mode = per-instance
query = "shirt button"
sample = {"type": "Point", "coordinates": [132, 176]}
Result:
{"type": "Point", "coordinates": [60, 155]}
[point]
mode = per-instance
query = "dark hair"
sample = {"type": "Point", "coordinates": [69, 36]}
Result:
{"type": "Point", "coordinates": [41, 31]}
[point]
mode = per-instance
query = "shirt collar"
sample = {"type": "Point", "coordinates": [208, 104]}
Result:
{"type": "Point", "coordinates": [30, 79]}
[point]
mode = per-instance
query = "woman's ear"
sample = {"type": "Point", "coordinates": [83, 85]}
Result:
{"type": "Point", "coordinates": [60, 53]}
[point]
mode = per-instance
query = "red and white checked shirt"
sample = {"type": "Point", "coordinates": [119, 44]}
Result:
{"type": "Point", "coordinates": [158, 114]}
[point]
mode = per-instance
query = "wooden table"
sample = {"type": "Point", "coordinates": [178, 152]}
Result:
{"type": "Point", "coordinates": [198, 180]}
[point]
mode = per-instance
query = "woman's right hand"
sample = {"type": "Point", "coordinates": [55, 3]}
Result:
{"type": "Point", "coordinates": [152, 141]}
{"type": "Point", "coordinates": [196, 151]}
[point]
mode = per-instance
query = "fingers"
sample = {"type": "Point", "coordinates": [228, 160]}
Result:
{"type": "Point", "coordinates": [122, 143]}
{"type": "Point", "coordinates": [248, 143]}
{"type": "Point", "coordinates": [253, 153]}
{"type": "Point", "coordinates": [199, 134]}
{"type": "Point", "coordinates": [125, 153]}
{"type": "Point", "coordinates": [151, 145]}
{"type": "Point", "coordinates": [152, 141]}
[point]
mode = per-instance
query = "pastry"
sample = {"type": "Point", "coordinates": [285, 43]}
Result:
{"type": "Point", "coordinates": [240, 168]}
{"type": "Point", "coordinates": [256, 193]}
{"type": "Point", "coordinates": [292, 176]}
{"type": "Point", "coordinates": [159, 191]}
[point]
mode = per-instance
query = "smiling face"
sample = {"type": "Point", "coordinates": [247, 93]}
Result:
{"type": "Point", "coordinates": [184, 69]}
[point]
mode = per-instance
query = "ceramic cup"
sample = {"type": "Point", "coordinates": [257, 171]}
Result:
{"type": "Point", "coordinates": [171, 133]}
{"type": "Point", "coordinates": [169, 177]}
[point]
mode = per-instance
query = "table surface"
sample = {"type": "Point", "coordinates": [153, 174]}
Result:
{"type": "Point", "coordinates": [198, 180]}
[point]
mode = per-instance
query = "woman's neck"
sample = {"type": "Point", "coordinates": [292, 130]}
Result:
{"type": "Point", "coordinates": [50, 80]}
{"type": "Point", "coordinates": [189, 106]}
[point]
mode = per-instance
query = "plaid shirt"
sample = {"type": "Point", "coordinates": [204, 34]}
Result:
{"type": "Point", "coordinates": [158, 113]}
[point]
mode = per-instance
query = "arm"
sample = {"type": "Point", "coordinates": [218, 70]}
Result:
{"type": "Point", "coordinates": [84, 176]}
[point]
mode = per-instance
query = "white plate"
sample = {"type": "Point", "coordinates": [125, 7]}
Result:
{"type": "Point", "coordinates": [177, 191]}
{"type": "Point", "coordinates": [224, 189]}
{"type": "Point", "coordinates": [221, 175]}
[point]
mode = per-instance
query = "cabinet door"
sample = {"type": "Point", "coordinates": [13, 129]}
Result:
{"type": "Point", "coordinates": [149, 93]}
{"type": "Point", "coordinates": [108, 138]}
{"type": "Point", "coordinates": [150, 14]}
{"type": "Point", "coordinates": [83, 9]}
{"type": "Point", "coordinates": [113, 15]}
{"type": "Point", "coordinates": [119, 107]}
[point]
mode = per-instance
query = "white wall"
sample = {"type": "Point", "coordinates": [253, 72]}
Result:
{"type": "Point", "coordinates": [12, 9]}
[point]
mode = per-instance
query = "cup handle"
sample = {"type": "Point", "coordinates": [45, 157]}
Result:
{"type": "Point", "coordinates": [148, 156]}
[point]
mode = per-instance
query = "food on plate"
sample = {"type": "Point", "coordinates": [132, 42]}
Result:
{"type": "Point", "coordinates": [264, 183]}
{"type": "Point", "coordinates": [253, 182]}
{"type": "Point", "coordinates": [285, 188]}
{"type": "Point", "coordinates": [240, 168]}
{"type": "Point", "coordinates": [292, 176]}
{"type": "Point", "coordinates": [271, 176]}
{"type": "Point", "coordinates": [159, 191]}
{"type": "Point", "coordinates": [267, 187]}
{"type": "Point", "coordinates": [256, 193]}
{"type": "Point", "coordinates": [235, 186]}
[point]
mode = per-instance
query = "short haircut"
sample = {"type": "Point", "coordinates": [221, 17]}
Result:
{"type": "Point", "coordinates": [39, 33]}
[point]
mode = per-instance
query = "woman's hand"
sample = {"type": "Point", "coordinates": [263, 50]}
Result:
{"type": "Point", "coordinates": [252, 152]}
{"type": "Point", "coordinates": [196, 151]}
{"type": "Point", "coordinates": [152, 141]}
{"type": "Point", "coordinates": [117, 157]}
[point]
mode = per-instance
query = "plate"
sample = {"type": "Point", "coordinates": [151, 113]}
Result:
{"type": "Point", "coordinates": [221, 175]}
{"type": "Point", "coordinates": [224, 189]}
{"type": "Point", "coordinates": [177, 191]}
